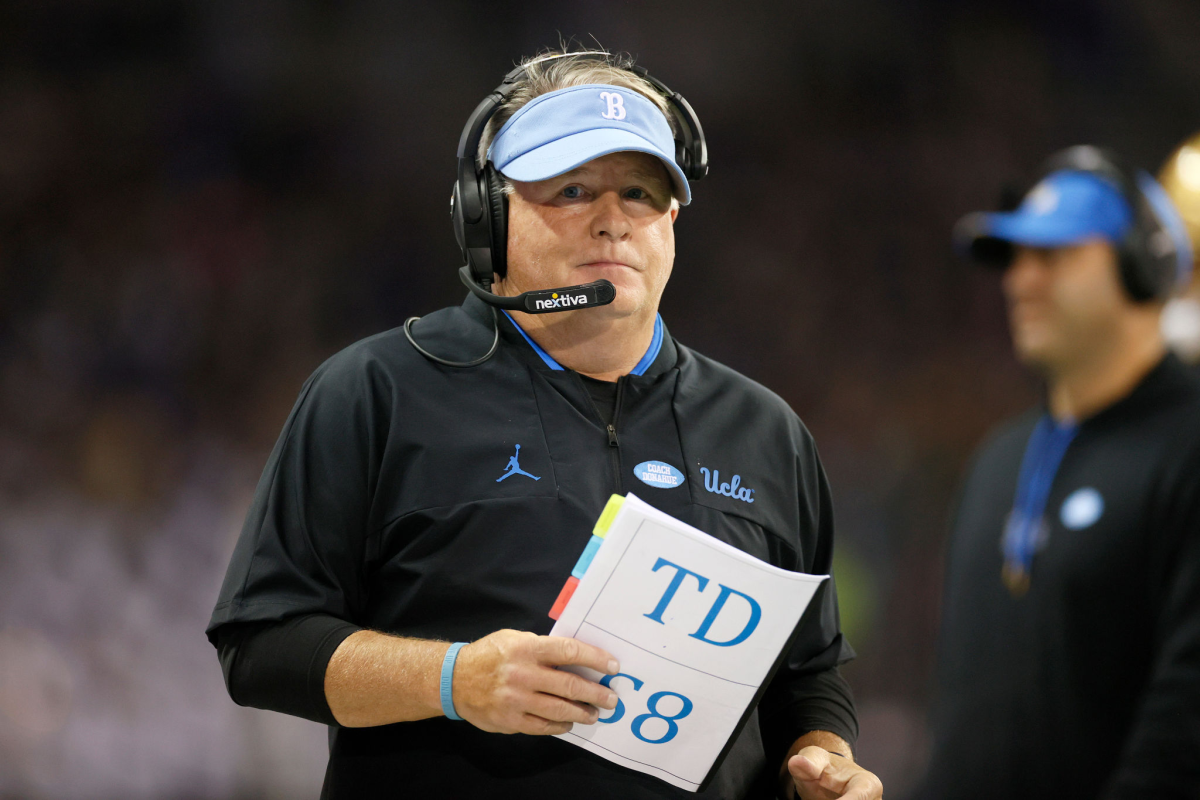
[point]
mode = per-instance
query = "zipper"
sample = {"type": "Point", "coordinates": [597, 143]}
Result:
{"type": "Point", "coordinates": [614, 445]}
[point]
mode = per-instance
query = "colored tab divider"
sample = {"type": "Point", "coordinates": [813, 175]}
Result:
{"type": "Point", "coordinates": [608, 515]}
{"type": "Point", "coordinates": [589, 552]}
{"type": "Point", "coordinates": [564, 597]}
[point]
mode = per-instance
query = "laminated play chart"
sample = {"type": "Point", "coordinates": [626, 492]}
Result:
{"type": "Point", "coordinates": [698, 626]}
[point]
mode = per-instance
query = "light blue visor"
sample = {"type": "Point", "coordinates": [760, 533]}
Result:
{"type": "Point", "coordinates": [559, 131]}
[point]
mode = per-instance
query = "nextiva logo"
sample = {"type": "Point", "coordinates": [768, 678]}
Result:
{"type": "Point", "coordinates": [658, 475]}
{"type": "Point", "coordinates": [563, 301]}
{"type": "Point", "coordinates": [734, 489]}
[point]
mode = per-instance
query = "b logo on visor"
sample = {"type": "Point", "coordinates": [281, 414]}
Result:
{"type": "Point", "coordinates": [616, 105]}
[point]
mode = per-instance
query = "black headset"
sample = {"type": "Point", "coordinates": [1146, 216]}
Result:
{"type": "Point", "coordinates": [479, 205]}
{"type": "Point", "coordinates": [1148, 254]}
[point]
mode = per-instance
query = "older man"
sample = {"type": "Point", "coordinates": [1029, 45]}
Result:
{"type": "Point", "coordinates": [1070, 656]}
{"type": "Point", "coordinates": [436, 483]}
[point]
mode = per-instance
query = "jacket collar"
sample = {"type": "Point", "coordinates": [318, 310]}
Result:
{"type": "Point", "coordinates": [1168, 379]}
{"type": "Point", "coordinates": [660, 357]}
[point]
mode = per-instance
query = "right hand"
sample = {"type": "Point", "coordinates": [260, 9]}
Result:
{"type": "Point", "coordinates": [506, 683]}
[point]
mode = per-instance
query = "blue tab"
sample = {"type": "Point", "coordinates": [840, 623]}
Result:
{"type": "Point", "coordinates": [585, 560]}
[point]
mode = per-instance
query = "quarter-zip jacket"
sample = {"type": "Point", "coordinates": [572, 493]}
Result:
{"type": "Point", "coordinates": [447, 503]}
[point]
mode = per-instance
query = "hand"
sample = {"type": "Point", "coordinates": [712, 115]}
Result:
{"type": "Point", "coordinates": [506, 683]}
{"type": "Point", "coordinates": [821, 775]}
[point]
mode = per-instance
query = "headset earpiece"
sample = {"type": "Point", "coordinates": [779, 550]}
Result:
{"type": "Point", "coordinates": [497, 211]}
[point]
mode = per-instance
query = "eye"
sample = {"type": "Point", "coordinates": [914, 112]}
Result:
{"type": "Point", "coordinates": [572, 192]}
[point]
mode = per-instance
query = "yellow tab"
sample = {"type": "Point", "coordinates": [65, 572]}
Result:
{"type": "Point", "coordinates": [607, 515]}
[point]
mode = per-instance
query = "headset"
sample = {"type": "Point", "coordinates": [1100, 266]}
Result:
{"type": "Point", "coordinates": [479, 205]}
{"type": "Point", "coordinates": [1149, 254]}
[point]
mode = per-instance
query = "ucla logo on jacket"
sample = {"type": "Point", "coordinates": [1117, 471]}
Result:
{"type": "Point", "coordinates": [658, 474]}
{"type": "Point", "coordinates": [734, 489]}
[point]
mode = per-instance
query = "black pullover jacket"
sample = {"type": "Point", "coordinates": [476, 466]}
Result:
{"type": "Point", "coordinates": [382, 506]}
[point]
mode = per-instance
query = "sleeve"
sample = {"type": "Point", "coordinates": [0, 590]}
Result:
{"type": "Point", "coordinates": [1161, 757]}
{"type": "Point", "coordinates": [280, 666]}
{"type": "Point", "coordinates": [808, 693]}
{"type": "Point", "coordinates": [301, 550]}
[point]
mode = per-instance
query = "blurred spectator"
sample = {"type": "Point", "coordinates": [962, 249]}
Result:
{"type": "Point", "coordinates": [1069, 661]}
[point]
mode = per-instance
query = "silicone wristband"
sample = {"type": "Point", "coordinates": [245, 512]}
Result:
{"type": "Point", "coordinates": [448, 680]}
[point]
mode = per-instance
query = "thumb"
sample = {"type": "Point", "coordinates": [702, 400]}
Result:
{"type": "Point", "coordinates": [809, 766]}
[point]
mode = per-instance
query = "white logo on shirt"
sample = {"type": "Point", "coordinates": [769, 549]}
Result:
{"type": "Point", "coordinates": [1081, 509]}
{"type": "Point", "coordinates": [616, 105]}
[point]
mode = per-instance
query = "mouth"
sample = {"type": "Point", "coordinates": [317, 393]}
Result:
{"type": "Point", "coordinates": [606, 265]}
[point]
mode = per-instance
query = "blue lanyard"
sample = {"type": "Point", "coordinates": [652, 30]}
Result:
{"type": "Point", "coordinates": [1025, 528]}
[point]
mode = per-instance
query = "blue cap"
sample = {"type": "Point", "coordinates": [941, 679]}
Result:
{"type": "Point", "coordinates": [561, 130]}
{"type": "Point", "coordinates": [1067, 207]}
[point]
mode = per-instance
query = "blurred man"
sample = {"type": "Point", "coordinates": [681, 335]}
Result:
{"type": "Point", "coordinates": [438, 482]}
{"type": "Point", "coordinates": [1069, 663]}
{"type": "Point", "coordinates": [1180, 177]}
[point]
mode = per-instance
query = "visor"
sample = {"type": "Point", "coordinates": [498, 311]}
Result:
{"type": "Point", "coordinates": [559, 131]}
{"type": "Point", "coordinates": [1066, 208]}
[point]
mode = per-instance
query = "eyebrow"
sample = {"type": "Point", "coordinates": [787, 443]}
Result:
{"type": "Point", "coordinates": [638, 174]}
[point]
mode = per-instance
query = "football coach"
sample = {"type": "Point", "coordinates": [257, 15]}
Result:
{"type": "Point", "coordinates": [434, 484]}
{"type": "Point", "coordinates": [1069, 661]}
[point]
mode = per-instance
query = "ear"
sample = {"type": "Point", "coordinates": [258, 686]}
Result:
{"type": "Point", "coordinates": [674, 210]}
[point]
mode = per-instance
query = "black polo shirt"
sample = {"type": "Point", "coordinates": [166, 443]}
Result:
{"type": "Point", "coordinates": [390, 502]}
{"type": "Point", "coordinates": [1088, 685]}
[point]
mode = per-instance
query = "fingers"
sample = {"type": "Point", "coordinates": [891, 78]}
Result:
{"type": "Point", "coordinates": [559, 651]}
{"type": "Point", "coordinates": [572, 687]}
{"type": "Point", "coordinates": [817, 773]}
{"type": "Point", "coordinates": [539, 726]}
{"type": "Point", "coordinates": [863, 786]}
{"type": "Point", "coordinates": [556, 709]}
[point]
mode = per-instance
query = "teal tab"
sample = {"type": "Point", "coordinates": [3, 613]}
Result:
{"type": "Point", "coordinates": [585, 560]}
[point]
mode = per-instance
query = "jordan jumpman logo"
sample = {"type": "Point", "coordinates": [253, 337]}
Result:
{"type": "Point", "coordinates": [514, 468]}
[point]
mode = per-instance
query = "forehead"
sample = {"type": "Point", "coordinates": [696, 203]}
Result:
{"type": "Point", "coordinates": [622, 166]}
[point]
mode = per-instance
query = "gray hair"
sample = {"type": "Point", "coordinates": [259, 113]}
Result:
{"type": "Point", "coordinates": [552, 70]}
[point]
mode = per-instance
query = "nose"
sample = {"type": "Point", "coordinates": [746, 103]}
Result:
{"type": "Point", "coordinates": [609, 220]}
{"type": "Point", "coordinates": [1026, 275]}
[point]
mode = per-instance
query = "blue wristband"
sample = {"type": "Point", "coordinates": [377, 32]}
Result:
{"type": "Point", "coordinates": [448, 680]}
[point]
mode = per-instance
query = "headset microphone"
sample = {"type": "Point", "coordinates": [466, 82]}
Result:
{"type": "Point", "coordinates": [545, 301]}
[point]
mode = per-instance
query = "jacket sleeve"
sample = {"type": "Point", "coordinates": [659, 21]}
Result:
{"type": "Point", "coordinates": [1161, 757]}
{"type": "Point", "coordinates": [301, 549]}
{"type": "Point", "coordinates": [808, 693]}
{"type": "Point", "coordinates": [280, 666]}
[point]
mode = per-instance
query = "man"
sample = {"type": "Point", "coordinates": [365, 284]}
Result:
{"type": "Point", "coordinates": [387, 526]}
{"type": "Point", "coordinates": [1069, 663]}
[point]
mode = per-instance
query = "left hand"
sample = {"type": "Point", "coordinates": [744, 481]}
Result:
{"type": "Point", "coordinates": [821, 775]}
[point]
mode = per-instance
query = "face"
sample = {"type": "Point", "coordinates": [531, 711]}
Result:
{"type": "Point", "coordinates": [1063, 303]}
{"type": "Point", "coordinates": [611, 218]}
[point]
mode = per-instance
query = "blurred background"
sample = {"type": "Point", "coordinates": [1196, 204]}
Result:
{"type": "Point", "coordinates": [201, 201]}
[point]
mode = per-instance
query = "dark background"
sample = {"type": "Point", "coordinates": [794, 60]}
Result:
{"type": "Point", "coordinates": [200, 201]}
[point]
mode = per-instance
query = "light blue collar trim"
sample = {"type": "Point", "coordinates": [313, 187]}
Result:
{"type": "Point", "coordinates": [640, 369]}
{"type": "Point", "coordinates": [550, 362]}
{"type": "Point", "coordinates": [655, 346]}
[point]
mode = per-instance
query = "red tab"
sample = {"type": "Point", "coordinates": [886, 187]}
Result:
{"type": "Point", "coordinates": [564, 597]}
